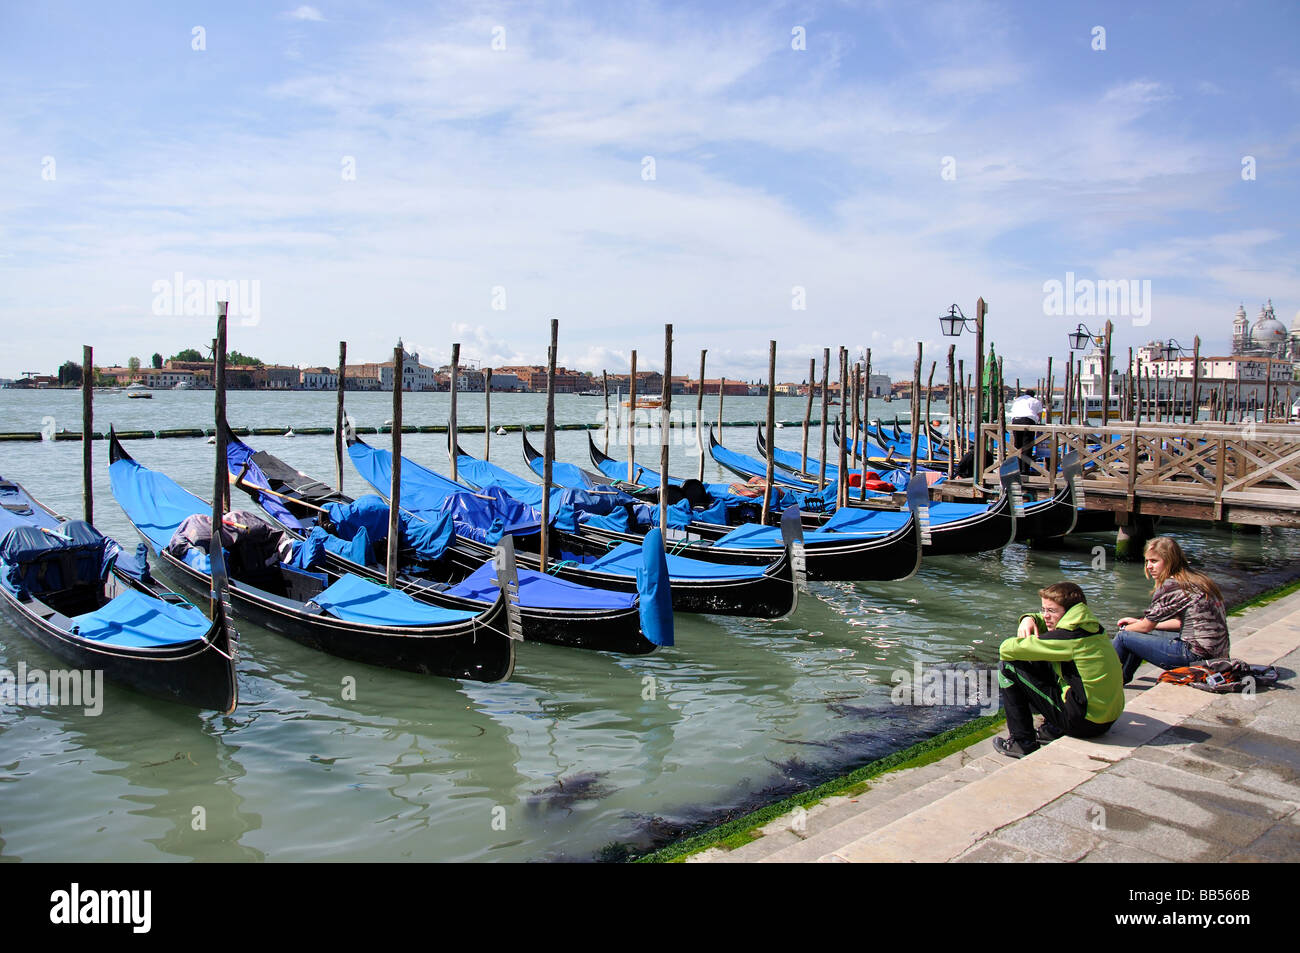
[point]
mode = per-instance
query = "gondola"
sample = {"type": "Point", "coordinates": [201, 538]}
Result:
{"type": "Point", "coordinates": [1058, 514]}
{"type": "Point", "coordinates": [955, 528]}
{"type": "Point", "coordinates": [72, 591]}
{"type": "Point", "coordinates": [891, 554]}
{"type": "Point", "coordinates": [790, 462]}
{"type": "Point", "coordinates": [551, 610]}
{"type": "Point", "coordinates": [342, 615]}
{"type": "Point", "coordinates": [759, 588]}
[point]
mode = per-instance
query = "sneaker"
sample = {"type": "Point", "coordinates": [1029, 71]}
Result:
{"type": "Point", "coordinates": [1047, 734]}
{"type": "Point", "coordinates": [1012, 748]}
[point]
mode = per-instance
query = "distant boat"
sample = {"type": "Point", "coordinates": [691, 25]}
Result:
{"type": "Point", "coordinates": [591, 393]}
{"type": "Point", "coordinates": [184, 385]}
{"type": "Point", "coordinates": [139, 390]}
{"type": "Point", "coordinates": [648, 402]}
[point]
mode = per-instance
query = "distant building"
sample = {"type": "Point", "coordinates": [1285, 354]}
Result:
{"type": "Point", "coordinates": [319, 378]}
{"type": "Point", "coordinates": [734, 387]}
{"type": "Point", "coordinates": [505, 381]}
{"type": "Point", "coordinates": [533, 377]}
{"type": "Point", "coordinates": [379, 376]}
{"type": "Point", "coordinates": [1267, 337]}
{"type": "Point", "coordinates": [277, 377]}
{"type": "Point", "coordinates": [166, 378]}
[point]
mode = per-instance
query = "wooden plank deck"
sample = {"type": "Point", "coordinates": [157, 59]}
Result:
{"type": "Point", "coordinates": [1246, 474]}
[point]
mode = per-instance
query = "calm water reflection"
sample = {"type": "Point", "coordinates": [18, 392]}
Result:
{"type": "Point", "coordinates": [580, 755]}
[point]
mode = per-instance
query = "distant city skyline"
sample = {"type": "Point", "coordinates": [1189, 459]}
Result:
{"type": "Point", "coordinates": [822, 175]}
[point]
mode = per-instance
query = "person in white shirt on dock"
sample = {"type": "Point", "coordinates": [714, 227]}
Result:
{"type": "Point", "coordinates": [1026, 410]}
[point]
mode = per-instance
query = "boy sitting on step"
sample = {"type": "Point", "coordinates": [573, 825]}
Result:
{"type": "Point", "coordinates": [1061, 665]}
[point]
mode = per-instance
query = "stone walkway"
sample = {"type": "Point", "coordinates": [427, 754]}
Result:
{"type": "Point", "coordinates": [1184, 775]}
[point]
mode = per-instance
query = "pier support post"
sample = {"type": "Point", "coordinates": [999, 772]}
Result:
{"type": "Point", "coordinates": [1131, 537]}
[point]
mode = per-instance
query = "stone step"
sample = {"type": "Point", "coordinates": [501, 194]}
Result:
{"type": "Point", "coordinates": [780, 834]}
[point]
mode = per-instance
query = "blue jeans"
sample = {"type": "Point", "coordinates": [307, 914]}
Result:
{"type": "Point", "coordinates": [1134, 648]}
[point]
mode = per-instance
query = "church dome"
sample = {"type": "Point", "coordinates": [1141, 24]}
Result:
{"type": "Point", "coordinates": [1267, 331]}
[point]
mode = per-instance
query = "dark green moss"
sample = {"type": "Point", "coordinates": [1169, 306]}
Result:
{"type": "Point", "coordinates": [1264, 598]}
{"type": "Point", "coordinates": [738, 832]}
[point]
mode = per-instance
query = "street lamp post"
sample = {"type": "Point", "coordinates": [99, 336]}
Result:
{"type": "Point", "coordinates": [1078, 340]}
{"type": "Point", "coordinates": [952, 325]}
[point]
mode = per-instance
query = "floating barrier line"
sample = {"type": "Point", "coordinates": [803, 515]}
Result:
{"type": "Point", "coordinates": [192, 432]}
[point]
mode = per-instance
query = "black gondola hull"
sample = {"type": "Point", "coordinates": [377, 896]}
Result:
{"type": "Point", "coordinates": [199, 673]}
{"type": "Point", "coordinates": [478, 649]}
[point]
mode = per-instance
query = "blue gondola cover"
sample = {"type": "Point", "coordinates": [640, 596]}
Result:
{"type": "Point", "coordinates": [656, 596]}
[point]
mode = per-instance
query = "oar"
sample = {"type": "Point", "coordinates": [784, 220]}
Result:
{"type": "Point", "coordinates": [239, 482]}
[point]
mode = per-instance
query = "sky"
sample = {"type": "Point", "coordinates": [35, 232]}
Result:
{"type": "Point", "coordinates": [818, 174]}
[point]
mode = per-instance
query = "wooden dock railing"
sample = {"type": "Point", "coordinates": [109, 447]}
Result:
{"type": "Point", "coordinates": [1248, 473]}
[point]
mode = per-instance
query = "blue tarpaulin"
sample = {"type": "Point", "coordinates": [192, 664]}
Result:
{"type": "Point", "coordinates": [311, 551]}
{"type": "Point", "coordinates": [155, 503]}
{"type": "Point", "coordinates": [626, 558]}
{"type": "Point", "coordinates": [652, 582]}
{"type": "Point", "coordinates": [138, 621]}
{"type": "Point", "coordinates": [358, 549]}
{"type": "Point", "coordinates": [240, 455]}
{"type": "Point", "coordinates": [368, 512]}
{"type": "Point", "coordinates": [538, 590]}
{"type": "Point", "coordinates": [354, 599]}
{"type": "Point", "coordinates": [426, 493]}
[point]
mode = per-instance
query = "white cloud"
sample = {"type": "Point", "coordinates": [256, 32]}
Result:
{"type": "Point", "coordinates": [304, 12]}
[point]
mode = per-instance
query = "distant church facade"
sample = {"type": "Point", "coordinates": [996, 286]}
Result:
{"type": "Point", "coordinates": [1267, 337]}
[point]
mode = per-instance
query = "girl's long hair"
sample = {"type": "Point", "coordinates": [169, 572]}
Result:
{"type": "Point", "coordinates": [1176, 568]}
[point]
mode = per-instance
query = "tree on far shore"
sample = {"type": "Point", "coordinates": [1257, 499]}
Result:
{"type": "Point", "coordinates": [70, 373]}
{"type": "Point", "coordinates": [189, 354]}
{"type": "Point", "coordinates": [133, 364]}
{"type": "Point", "coordinates": [157, 362]}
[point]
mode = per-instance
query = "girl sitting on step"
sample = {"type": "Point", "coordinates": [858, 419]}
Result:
{"type": "Point", "coordinates": [1185, 623]}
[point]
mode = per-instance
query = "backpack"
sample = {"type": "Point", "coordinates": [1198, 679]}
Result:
{"type": "Point", "coordinates": [1222, 676]}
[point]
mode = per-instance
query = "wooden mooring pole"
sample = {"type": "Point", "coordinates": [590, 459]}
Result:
{"type": "Point", "coordinates": [826, 407]}
{"type": "Point", "coordinates": [665, 424]}
{"type": "Point", "coordinates": [807, 413]}
{"type": "Point", "coordinates": [338, 417]}
{"type": "Point", "coordinates": [548, 458]}
{"type": "Point", "coordinates": [771, 422]}
{"type": "Point", "coordinates": [395, 486]}
{"type": "Point", "coordinates": [87, 433]}
{"type": "Point", "coordinates": [699, 418]}
{"type": "Point", "coordinates": [631, 423]}
{"type": "Point", "coordinates": [451, 419]}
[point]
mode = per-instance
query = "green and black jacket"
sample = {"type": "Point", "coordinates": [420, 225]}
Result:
{"type": "Point", "coordinates": [1083, 658]}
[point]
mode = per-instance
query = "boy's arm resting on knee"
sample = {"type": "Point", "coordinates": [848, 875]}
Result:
{"type": "Point", "coordinates": [1033, 649]}
{"type": "Point", "coordinates": [1031, 623]}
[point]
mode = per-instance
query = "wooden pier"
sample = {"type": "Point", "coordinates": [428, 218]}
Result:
{"type": "Point", "coordinates": [1246, 473]}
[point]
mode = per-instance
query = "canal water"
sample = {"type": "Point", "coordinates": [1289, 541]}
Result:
{"type": "Point", "coordinates": [580, 756]}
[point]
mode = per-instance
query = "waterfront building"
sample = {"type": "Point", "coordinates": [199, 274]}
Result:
{"type": "Point", "coordinates": [379, 376]}
{"type": "Point", "coordinates": [737, 388]}
{"type": "Point", "coordinates": [319, 378]}
{"type": "Point", "coordinates": [276, 377]}
{"type": "Point", "coordinates": [1267, 337]}
{"type": "Point", "coordinates": [166, 377]}
{"type": "Point", "coordinates": [533, 377]}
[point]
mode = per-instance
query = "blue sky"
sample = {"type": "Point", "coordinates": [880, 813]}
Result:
{"type": "Point", "coordinates": [517, 177]}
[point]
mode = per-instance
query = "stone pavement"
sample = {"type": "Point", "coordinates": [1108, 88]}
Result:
{"type": "Point", "coordinates": [1184, 775]}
